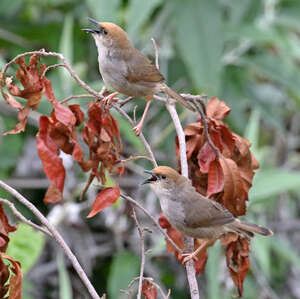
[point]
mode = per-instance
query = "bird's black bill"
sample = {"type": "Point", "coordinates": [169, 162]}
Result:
{"type": "Point", "coordinates": [152, 179]}
{"type": "Point", "coordinates": [93, 21]}
{"type": "Point", "coordinates": [88, 30]}
{"type": "Point", "coordinates": [96, 30]}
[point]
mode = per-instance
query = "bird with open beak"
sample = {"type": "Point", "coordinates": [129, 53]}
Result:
{"type": "Point", "coordinates": [126, 70]}
{"type": "Point", "coordinates": [194, 214]}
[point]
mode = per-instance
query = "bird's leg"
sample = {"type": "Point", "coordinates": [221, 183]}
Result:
{"type": "Point", "coordinates": [193, 255]}
{"type": "Point", "coordinates": [111, 97]}
{"type": "Point", "coordinates": [138, 128]}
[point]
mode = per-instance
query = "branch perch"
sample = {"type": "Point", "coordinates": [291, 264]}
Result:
{"type": "Point", "coordinates": [56, 235]}
{"type": "Point", "coordinates": [188, 242]}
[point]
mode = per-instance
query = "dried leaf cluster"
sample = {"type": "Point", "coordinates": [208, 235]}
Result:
{"type": "Point", "coordinates": [10, 273]}
{"type": "Point", "coordinates": [60, 131]}
{"type": "Point", "coordinates": [224, 174]}
{"type": "Point", "coordinates": [222, 171]}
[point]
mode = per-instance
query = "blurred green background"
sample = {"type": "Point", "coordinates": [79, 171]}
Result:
{"type": "Point", "coordinates": [245, 52]}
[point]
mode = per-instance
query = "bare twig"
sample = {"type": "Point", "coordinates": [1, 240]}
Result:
{"type": "Point", "coordinates": [132, 158]}
{"type": "Point", "coordinates": [64, 62]}
{"type": "Point", "coordinates": [58, 238]}
{"type": "Point", "coordinates": [155, 52]}
{"type": "Point", "coordinates": [80, 96]}
{"type": "Point", "coordinates": [144, 141]}
{"type": "Point", "coordinates": [205, 126]}
{"type": "Point", "coordinates": [188, 242]}
{"type": "Point", "coordinates": [143, 255]}
{"type": "Point", "coordinates": [52, 67]}
{"type": "Point", "coordinates": [128, 198]}
{"type": "Point", "coordinates": [24, 219]}
{"type": "Point", "coordinates": [124, 102]}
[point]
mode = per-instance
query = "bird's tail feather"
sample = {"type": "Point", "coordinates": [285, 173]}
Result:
{"type": "Point", "coordinates": [174, 95]}
{"type": "Point", "coordinates": [249, 229]}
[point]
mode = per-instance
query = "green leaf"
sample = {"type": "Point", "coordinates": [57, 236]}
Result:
{"type": "Point", "coordinates": [8, 7]}
{"type": "Point", "coordinates": [212, 271]}
{"type": "Point", "coordinates": [252, 130]}
{"type": "Point", "coordinates": [268, 183]}
{"type": "Point", "coordinates": [138, 13]}
{"type": "Point", "coordinates": [285, 250]}
{"type": "Point", "coordinates": [11, 146]}
{"type": "Point", "coordinates": [199, 38]}
{"type": "Point", "coordinates": [104, 10]}
{"type": "Point", "coordinates": [65, 288]}
{"type": "Point", "coordinates": [25, 246]}
{"type": "Point", "coordinates": [261, 247]}
{"type": "Point", "coordinates": [124, 268]}
{"type": "Point", "coordinates": [66, 48]}
{"type": "Point", "coordinates": [276, 69]}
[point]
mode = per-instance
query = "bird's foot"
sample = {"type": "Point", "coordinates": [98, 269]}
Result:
{"type": "Point", "coordinates": [189, 256]}
{"type": "Point", "coordinates": [109, 99]}
{"type": "Point", "coordinates": [138, 129]}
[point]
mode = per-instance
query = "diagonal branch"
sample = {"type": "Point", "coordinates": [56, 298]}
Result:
{"type": "Point", "coordinates": [56, 235]}
{"type": "Point", "coordinates": [23, 218]}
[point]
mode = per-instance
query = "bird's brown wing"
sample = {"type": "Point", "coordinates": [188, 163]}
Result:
{"type": "Point", "coordinates": [204, 212]}
{"type": "Point", "coordinates": [140, 69]}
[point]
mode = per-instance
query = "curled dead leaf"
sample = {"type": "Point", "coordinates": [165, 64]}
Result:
{"type": "Point", "coordinates": [149, 290]}
{"type": "Point", "coordinates": [104, 199]}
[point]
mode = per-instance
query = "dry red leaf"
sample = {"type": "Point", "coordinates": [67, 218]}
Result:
{"type": "Point", "coordinates": [101, 134]}
{"type": "Point", "coordinates": [52, 163]}
{"type": "Point", "coordinates": [5, 228]}
{"type": "Point", "coordinates": [237, 259]}
{"type": "Point", "coordinates": [4, 276]}
{"type": "Point", "coordinates": [62, 113]}
{"type": "Point", "coordinates": [225, 178]}
{"type": "Point", "coordinates": [104, 199]}
{"type": "Point", "coordinates": [149, 290]}
{"type": "Point", "coordinates": [31, 79]}
{"type": "Point", "coordinates": [15, 282]}
{"type": "Point", "coordinates": [215, 179]}
{"type": "Point", "coordinates": [174, 234]}
{"type": "Point", "coordinates": [216, 109]}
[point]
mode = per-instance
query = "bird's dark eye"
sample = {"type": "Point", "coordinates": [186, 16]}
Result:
{"type": "Point", "coordinates": [105, 32]}
{"type": "Point", "coordinates": [163, 177]}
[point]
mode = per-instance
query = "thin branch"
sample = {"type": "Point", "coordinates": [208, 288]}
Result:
{"type": "Point", "coordinates": [188, 242]}
{"type": "Point", "coordinates": [132, 158]}
{"type": "Point", "coordinates": [205, 126]}
{"type": "Point", "coordinates": [155, 52]}
{"type": "Point", "coordinates": [80, 96]}
{"type": "Point", "coordinates": [144, 141]}
{"type": "Point", "coordinates": [64, 62]}
{"type": "Point", "coordinates": [24, 219]}
{"type": "Point", "coordinates": [128, 198]}
{"type": "Point", "coordinates": [51, 67]}
{"type": "Point", "coordinates": [58, 238]}
{"type": "Point", "coordinates": [143, 255]}
{"type": "Point", "coordinates": [181, 139]}
{"type": "Point", "coordinates": [124, 102]}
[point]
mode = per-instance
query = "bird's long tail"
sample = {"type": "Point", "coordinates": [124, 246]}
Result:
{"type": "Point", "coordinates": [249, 229]}
{"type": "Point", "coordinates": [174, 95]}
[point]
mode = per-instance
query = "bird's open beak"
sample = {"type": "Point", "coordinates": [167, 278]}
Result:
{"type": "Point", "coordinates": [152, 179]}
{"type": "Point", "coordinates": [89, 30]}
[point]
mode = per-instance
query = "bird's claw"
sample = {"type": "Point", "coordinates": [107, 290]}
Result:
{"type": "Point", "coordinates": [109, 99]}
{"type": "Point", "coordinates": [137, 129]}
{"type": "Point", "coordinates": [189, 256]}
